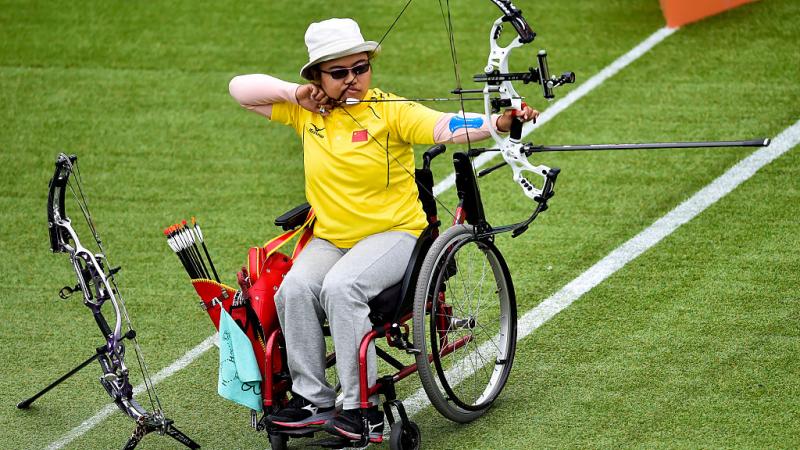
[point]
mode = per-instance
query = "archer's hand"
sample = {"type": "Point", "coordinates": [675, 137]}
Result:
{"type": "Point", "coordinates": [526, 114]}
{"type": "Point", "coordinates": [313, 98]}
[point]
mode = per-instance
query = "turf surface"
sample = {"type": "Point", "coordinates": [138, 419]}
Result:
{"type": "Point", "coordinates": [694, 344]}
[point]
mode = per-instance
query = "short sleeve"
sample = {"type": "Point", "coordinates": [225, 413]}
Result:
{"type": "Point", "coordinates": [415, 123]}
{"type": "Point", "coordinates": [288, 114]}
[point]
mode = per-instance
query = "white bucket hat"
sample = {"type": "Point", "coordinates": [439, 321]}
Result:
{"type": "Point", "coordinates": [334, 38]}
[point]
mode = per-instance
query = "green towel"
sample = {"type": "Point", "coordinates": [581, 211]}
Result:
{"type": "Point", "coordinates": [239, 377]}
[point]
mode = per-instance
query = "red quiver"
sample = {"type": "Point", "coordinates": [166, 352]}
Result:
{"type": "Point", "coordinates": [257, 316]}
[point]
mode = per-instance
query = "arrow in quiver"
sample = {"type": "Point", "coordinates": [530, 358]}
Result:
{"type": "Point", "coordinates": [183, 240]}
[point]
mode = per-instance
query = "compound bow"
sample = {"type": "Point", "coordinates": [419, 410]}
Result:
{"type": "Point", "coordinates": [97, 284]}
{"type": "Point", "coordinates": [499, 93]}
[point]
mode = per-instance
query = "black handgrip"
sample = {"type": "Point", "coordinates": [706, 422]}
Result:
{"type": "Point", "coordinates": [431, 153]}
{"type": "Point", "coordinates": [516, 129]}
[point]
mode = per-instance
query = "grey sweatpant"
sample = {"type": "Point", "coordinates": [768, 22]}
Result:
{"type": "Point", "coordinates": [334, 283]}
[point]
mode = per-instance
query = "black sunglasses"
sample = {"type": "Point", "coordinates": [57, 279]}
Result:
{"type": "Point", "coordinates": [338, 74]}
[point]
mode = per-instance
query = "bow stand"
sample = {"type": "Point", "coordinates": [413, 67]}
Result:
{"type": "Point", "coordinates": [97, 285]}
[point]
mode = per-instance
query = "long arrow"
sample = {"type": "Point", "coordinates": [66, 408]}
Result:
{"type": "Point", "coordinates": [355, 101]}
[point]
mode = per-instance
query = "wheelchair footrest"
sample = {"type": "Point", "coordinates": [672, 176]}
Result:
{"type": "Point", "coordinates": [333, 442]}
{"type": "Point", "coordinates": [296, 432]}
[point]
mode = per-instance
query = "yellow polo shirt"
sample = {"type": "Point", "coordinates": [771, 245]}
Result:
{"type": "Point", "coordinates": [355, 186]}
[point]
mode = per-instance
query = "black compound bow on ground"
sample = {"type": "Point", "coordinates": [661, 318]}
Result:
{"type": "Point", "coordinates": [97, 285]}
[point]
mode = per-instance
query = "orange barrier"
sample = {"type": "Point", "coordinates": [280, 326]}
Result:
{"type": "Point", "coordinates": [681, 12]}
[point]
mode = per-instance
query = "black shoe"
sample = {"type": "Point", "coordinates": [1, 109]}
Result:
{"type": "Point", "coordinates": [300, 413]}
{"type": "Point", "coordinates": [349, 424]}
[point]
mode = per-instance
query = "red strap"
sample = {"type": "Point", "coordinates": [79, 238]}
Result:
{"type": "Point", "coordinates": [274, 244]}
{"type": "Point", "coordinates": [258, 256]}
{"type": "Point", "coordinates": [304, 239]}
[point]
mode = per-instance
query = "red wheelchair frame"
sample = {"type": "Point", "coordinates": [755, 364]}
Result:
{"type": "Point", "coordinates": [423, 301]}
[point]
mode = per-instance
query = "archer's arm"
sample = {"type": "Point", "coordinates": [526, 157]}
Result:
{"type": "Point", "coordinates": [459, 128]}
{"type": "Point", "coordinates": [422, 125]}
{"type": "Point", "coordinates": [258, 92]}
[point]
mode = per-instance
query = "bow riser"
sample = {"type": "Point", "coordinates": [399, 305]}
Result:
{"type": "Point", "coordinates": [497, 83]}
{"type": "Point", "coordinates": [498, 63]}
{"type": "Point", "coordinates": [519, 163]}
{"type": "Point", "coordinates": [90, 272]}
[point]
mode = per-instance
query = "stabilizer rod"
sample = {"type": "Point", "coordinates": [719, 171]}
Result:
{"type": "Point", "coordinates": [758, 142]}
{"type": "Point", "coordinates": [530, 149]}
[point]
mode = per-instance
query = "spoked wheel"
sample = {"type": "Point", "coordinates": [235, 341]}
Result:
{"type": "Point", "coordinates": [405, 437]}
{"type": "Point", "coordinates": [465, 323]}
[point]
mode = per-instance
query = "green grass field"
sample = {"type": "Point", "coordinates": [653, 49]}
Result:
{"type": "Point", "coordinates": [694, 344]}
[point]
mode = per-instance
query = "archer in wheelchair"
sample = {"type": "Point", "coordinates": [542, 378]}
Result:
{"type": "Point", "coordinates": [369, 259]}
{"type": "Point", "coordinates": [368, 222]}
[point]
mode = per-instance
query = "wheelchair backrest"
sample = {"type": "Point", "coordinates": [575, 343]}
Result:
{"type": "Point", "coordinates": [424, 179]}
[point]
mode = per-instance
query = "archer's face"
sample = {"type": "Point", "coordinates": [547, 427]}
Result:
{"type": "Point", "coordinates": [352, 85]}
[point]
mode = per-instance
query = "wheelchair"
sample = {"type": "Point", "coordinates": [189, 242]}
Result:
{"type": "Point", "coordinates": [456, 293]}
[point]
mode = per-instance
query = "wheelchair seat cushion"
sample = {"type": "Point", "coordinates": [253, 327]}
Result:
{"type": "Point", "coordinates": [398, 300]}
{"type": "Point", "coordinates": [382, 307]}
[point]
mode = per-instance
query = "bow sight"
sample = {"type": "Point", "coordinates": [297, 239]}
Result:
{"type": "Point", "coordinates": [540, 75]}
{"type": "Point", "coordinates": [496, 76]}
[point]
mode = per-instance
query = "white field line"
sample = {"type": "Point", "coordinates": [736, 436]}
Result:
{"type": "Point", "coordinates": [109, 409]}
{"type": "Point", "coordinates": [445, 184]}
{"type": "Point", "coordinates": [575, 95]}
{"type": "Point", "coordinates": [627, 252]}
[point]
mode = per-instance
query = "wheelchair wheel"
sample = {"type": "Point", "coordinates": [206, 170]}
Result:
{"type": "Point", "coordinates": [465, 323]}
{"type": "Point", "coordinates": [405, 437]}
{"type": "Point", "coordinates": [278, 441]}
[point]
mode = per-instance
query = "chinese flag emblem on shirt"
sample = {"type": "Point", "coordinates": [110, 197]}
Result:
{"type": "Point", "coordinates": [359, 136]}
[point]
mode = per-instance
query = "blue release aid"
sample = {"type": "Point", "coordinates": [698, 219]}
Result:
{"type": "Point", "coordinates": [459, 122]}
